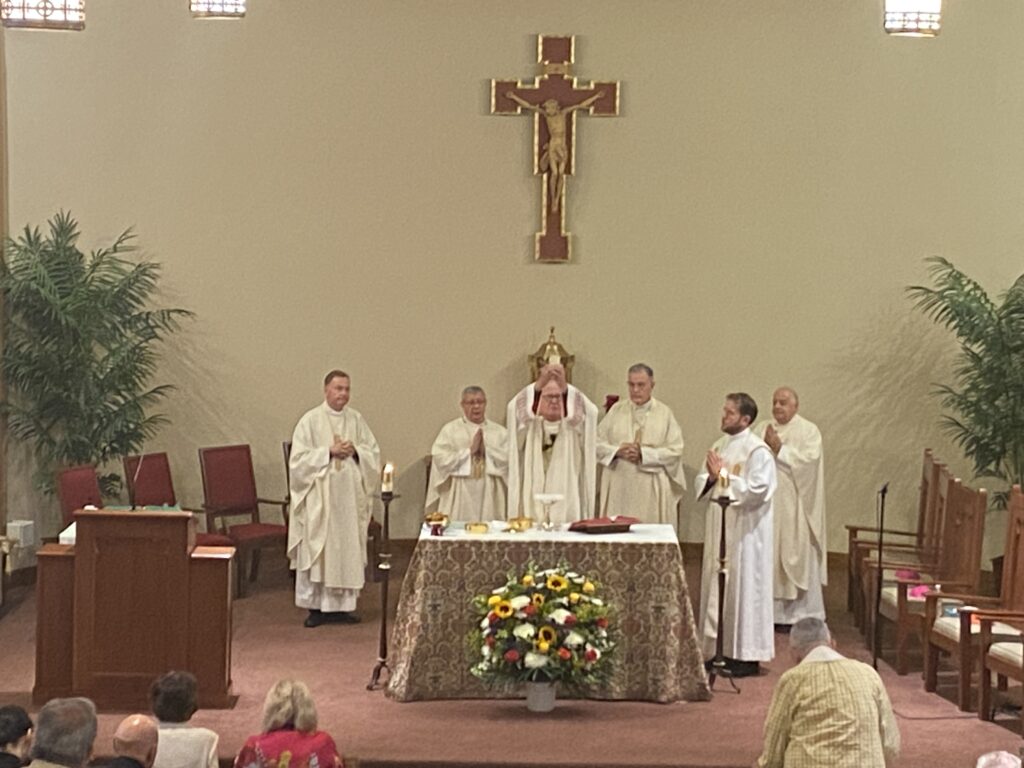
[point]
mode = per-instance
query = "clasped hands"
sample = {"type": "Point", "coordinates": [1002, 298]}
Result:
{"type": "Point", "coordinates": [630, 452]}
{"type": "Point", "coordinates": [476, 446]}
{"type": "Point", "coordinates": [342, 449]}
{"type": "Point", "coordinates": [772, 438]}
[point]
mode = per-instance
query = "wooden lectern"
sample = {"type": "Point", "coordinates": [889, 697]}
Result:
{"type": "Point", "coordinates": [132, 599]}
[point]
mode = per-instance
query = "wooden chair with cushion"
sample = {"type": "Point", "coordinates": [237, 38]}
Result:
{"type": "Point", "coordinates": [78, 487]}
{"type": "Point", "coordinates": [373, 530]}
{"type": "Point", "coordinates": [920, 545]}
{"type": "Point", "coordinates": [149, 483]}
{"type": "Point", "coordinates": [957, 634]}
{"type": "Point", "coordinates": [229, 493]}
{"type": "Point", "coordinates": [1000, 653]}
{"type": "Point", "coordinates": [957, 566]}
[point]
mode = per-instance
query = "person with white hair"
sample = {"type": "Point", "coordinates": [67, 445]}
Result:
{"type": "Point", "coordinates": [828, 710]}
{"type": "Point", "coordinates": [65, 733]}
{"type": "Point", "coordinates": [289, 738]}
{"type": "Point", "coordinates": [1001, 759]}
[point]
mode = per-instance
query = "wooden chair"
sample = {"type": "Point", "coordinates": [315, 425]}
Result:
{"type": "Point", "coordinates": [374, 533]}
{"type": "Point", "coordinates": [229, 491]}
{"type": "Point", "coordinates": [958, 635]}
{"type": "Point", "coordinates": [1000, 652]}
{"type": "Point", "coordinates": [78, 487]}
{"type": "Point", "coordinates": [918, 545]}
{"type": "Point", "coordinates": [957, 566]}
{"type": "Point", "coordinates": [149, 483]}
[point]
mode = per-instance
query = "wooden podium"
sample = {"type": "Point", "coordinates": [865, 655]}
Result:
{"type": "Point", "coordinates": [132, 599]}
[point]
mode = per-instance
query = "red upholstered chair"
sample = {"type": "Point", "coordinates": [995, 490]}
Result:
{"type": "Point", "coordinates": [78, 487]}
{"type": "Point", "coordinates": [149, 483]}
{"type": "Point", "coordinates": [229, 491]}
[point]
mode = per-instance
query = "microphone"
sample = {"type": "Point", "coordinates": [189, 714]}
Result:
{"type": "Point", "coordinates": [884, 489]}
{"type": "Point", "coordinates": [135, 479]}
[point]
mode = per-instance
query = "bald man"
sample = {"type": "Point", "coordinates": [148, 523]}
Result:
{"type": "Point", "coordinates": [799, 508]}
{"type": "Point", "coordinates": [552, 430]}
{"type": "Point", "coordinates": [135, 742]}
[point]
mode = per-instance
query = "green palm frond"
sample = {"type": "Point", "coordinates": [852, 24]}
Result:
{"type": "Point", "coordinates": [80, 351]}
{"type": "Point", "coordinates": [985, 403]}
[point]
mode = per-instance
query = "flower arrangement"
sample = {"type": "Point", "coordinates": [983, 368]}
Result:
{"type": "Point", "coordinates": [543, 626]}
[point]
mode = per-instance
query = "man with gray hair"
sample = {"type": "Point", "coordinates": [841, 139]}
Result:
{"type": "Point", "coordinates": [469, 464]}
{"type": "Point", "coordinates": [65, 732]}
{"type": "Point", "coordinates": [640, 450]}
{"type": "Point", "coordinates": [828, 710]}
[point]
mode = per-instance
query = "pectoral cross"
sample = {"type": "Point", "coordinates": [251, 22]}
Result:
{"type": "Point", "coordinates": [555, 96]}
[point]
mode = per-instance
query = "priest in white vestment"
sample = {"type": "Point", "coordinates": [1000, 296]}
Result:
{"type": "Point", "coordinates": [798, 511]}
{"type": "Point", "coordinates": [747, 632]}
{"type": "Point", "coordinates": [552, 431]}
{"type": "Point", "coordinates": [469, 464]}
{"type": "Point", "coordinates": [640, 450]}
{"type": "Point", "coordinates": [334, 467]}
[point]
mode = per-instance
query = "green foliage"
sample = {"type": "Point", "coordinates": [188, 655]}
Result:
{"type": "Point", "coordinates": [985, 403]}
{"type": "Point", "coordinates": [79, 348]}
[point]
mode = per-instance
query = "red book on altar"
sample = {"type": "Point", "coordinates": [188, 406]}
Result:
{"type": "Point", "coordinates": [617, 524]}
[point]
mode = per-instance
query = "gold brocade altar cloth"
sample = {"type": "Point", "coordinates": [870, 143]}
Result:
{"type": "Point", "coordinates": [658, 657]}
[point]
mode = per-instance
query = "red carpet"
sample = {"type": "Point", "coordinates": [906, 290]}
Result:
{"type": "Point", "coordinates": [374, 732]}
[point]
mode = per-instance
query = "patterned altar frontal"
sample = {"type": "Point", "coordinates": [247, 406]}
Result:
{"type": "Point", "coordinates": [658, 655]}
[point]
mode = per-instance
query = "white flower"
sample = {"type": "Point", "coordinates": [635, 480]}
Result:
{"type": "Point", "coordinates": [596, 601]}
{"type": "Point", "coordinates": [559, 615]}
{"type": "Point", "coordinates": [518, 603]}
{"type": "Point", "coordinates": [524, 631]}
{"type": "Point", "coordinates": [485, 651]}
{"type": "Point", "coordinates": [574, 576]}
{"type": "Point", "coordinates": [560, 601]}
{"type": "Point", "coordinates": [535, 660]}
{"type": "Point", "coordinates": [499, 591]}
{"type": "Point", "coordinates": [485, 622]}
{"type": "Point", "coordinates": [573, 640]}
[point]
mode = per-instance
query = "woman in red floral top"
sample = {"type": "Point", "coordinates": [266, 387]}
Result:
{"type": "Point", "coordinates": [290, 738]}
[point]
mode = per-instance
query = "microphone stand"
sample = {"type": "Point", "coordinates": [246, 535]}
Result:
{"type": "Point", "coordinates": [876, 639]}
{"type": "Point", "coordinates": [135, 479]}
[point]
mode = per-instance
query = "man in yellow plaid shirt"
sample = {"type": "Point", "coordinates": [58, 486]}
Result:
{"type": "Point", "coordinates": [828, 710]}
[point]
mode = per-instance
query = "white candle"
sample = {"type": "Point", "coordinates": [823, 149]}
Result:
{"type": "Point", "coordinates": [387, 480]}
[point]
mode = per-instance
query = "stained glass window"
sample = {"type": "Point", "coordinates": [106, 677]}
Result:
{"type": "Point", "coordinates": [43, 14]}
{"type": "Point", "coordinates": [218, 9]}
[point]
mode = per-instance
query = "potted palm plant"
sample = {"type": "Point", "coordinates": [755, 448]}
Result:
{"type": "Point", "coordinates": [985, 402]}
{"type": "Point", "coordinates": [80, 348]}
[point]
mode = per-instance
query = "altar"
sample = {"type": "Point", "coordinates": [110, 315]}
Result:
{"type": "Point", "coordinates": [658, 657]}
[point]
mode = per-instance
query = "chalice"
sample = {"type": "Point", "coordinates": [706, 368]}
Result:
{"type": "Point", "coordinates": [546, 500]}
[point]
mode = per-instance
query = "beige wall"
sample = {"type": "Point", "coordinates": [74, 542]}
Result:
{"type": "Point", "coordinates": [325, 187]}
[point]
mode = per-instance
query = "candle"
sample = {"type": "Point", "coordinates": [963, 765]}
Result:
{"type": "Point", "coordinates": [723, 479]}
{"type": "Point", "coordinates": [387, 479]}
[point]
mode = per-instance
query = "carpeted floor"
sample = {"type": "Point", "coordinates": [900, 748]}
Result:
{"type": "Point", "coordinates": [374, 732]}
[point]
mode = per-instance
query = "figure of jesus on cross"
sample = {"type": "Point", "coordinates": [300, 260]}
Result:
{"type": "Point", "coordinates": [556, 96]}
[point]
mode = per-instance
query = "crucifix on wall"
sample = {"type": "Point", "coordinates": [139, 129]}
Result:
{"type": "Point", "coordinates": [554, 98]}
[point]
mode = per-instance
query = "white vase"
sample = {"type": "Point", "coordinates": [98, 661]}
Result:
{"type": "Point", "coordinates": [540, 697]}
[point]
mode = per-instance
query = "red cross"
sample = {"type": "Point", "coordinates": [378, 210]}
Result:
{"type": "Point", "coordinates": [554, 98]}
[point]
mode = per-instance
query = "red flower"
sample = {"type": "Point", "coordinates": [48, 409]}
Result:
{"type": "Point", "coordinates": [512, 655]}
{"type": "Point", "coordinates": [565, 654]}
{"type": "Point", "coordinates": [493, 618]}
{"type": "Point", "coordinates": [570, 620]}
{"type": "Point", "coordinates": [530, 610]}
{"type": "Point", "coordinates": [602, 622]}
{"type": "Point", "coordinates": [591, 655]}
{"type": "Point", "coordinates": [490, 640]}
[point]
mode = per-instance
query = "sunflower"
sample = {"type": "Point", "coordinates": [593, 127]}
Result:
{"type": "Point", "coordinates": [547, 634]}
{"type": "Point", "coordinates": [504, 609]}
{"type": "Point", "coordinates": [538, 599]}
{"type": "Point", "coordinates": [557, 583]}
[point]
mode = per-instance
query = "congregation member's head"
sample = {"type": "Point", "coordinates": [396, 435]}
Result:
{"type": "Point", "coordinates": [136, 738]}
{"type": "Point", "coordinates": [174, 697]}
{"type": "Point", "coordinates": [640, 381]}
{"type": "Point", "coordinates": [15, 732]}
{"type": "Point", "coordinates": [806, 635]}
{"type": "Point", "coordinates": [551, 407]}
{"type": "Point", "coordinates": [289, 704]}
{"type": "Point", "coordinates": [337, 389]}
{"type": "Point", "coordinates": [738, 413]}
{"type": "Point", "coordinates": [474, 404]}
{"type": "Point", "coordinates": [785, 404]}
{"type": "Point", "coordinates": [65, 732]}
